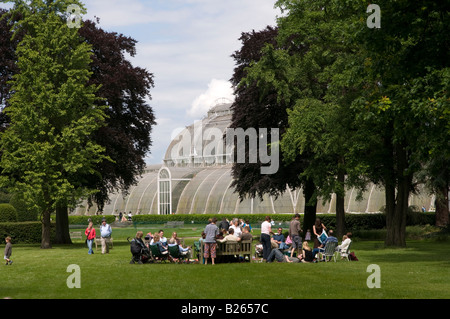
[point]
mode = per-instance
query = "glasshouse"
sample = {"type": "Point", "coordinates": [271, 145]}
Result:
{"type": "Point", "coordinates": [195, 178]}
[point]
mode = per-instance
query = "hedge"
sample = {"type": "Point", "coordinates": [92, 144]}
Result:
{"type": "Point", "coordinates": [25, 232]}
{"type": "Point", "coordinates": [96, 219]}
{"type": "Point", "coordinates": [7, 213]}
{"type": "Point", "coordinates": [352, 221]}
{"type": "Point", "coordinates": [24, 213]}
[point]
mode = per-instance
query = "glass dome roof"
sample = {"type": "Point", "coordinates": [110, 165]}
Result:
{"type": "Point", "coordinates": [196, 171]}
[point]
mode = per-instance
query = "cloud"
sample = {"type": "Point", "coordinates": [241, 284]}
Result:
{"type": "Point", "coordinates": [217, 89]}
{"type": "Point", "coordinates": [118, 13]}
{"type": "Point", "coordinates": [187, 45]}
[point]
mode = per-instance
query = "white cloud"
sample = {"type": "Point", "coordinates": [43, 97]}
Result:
{"type": "Point", "coordinates": [187, 45]}
{"type": "Point", "coordinates": [217, 89]}
{"type": "Point", "coordinates": [117, 13]}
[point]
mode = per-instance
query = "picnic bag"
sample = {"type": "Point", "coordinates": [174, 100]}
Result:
{"type": "Point", "coordinates": [352, 256]}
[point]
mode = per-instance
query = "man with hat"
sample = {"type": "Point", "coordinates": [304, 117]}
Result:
{"type": "Point", "coordinates": [105, 233]}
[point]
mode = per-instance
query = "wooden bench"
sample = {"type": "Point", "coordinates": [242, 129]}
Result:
{"type": "Point", "coordinates": [231, 248]}
{"type": "Point", "coordinates": [98, 242]}
{"type": "Point", "coordinates": [75, 235]}
{"type": "Point", "coordinates": [174, 224]}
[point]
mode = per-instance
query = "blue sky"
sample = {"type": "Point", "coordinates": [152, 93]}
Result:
{"type": "Point", "coordinates": [187, 45]}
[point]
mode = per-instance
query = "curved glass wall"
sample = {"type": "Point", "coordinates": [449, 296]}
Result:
{"type": "Point", "coordinates": [208, 190]}
{"type": "Point", "coordinates": [196, 179]}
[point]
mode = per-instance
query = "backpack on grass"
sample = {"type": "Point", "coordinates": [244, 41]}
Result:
{"type": "Point", "coordinates": [352, 256]}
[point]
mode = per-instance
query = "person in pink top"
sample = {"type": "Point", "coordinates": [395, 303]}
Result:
{"type": "Point", "coordinates": [90, 236]}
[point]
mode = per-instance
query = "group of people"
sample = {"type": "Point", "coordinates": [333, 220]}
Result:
{"type": "Point", "coordinates": [162, 244]}
{"type": "Point", "coordinates": [105, 236]}
{"type": "Point", "coordinates": [123, 217]}
{"type": "Point", "coordinates": [236, 230]}
{"type": "Point", "coordinates": [275, 246]}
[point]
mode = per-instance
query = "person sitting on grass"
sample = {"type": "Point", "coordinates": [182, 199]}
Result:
{"type": "Point", "coordinates": [279, 239]}
{"type": "Point", "coordinates": [307, 253]}
{"type": "Point", "coordinates": [277, 255]}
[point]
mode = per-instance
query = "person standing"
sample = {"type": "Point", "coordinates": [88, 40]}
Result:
{"type": "Point", "coordinates": [266, 231]}
{"type": "Point", "coordinates": [90, 236]}
{"type": "Point", "coordinates": [105, 233]}
{"type": "Point", "coordinates": [211, 231]}
{"type": "Point", "coordinates": [8, 251]}
{"type": "Point", "coordinates": [294, 233]}
{"type": "Point", "coordinates": [318, 228]}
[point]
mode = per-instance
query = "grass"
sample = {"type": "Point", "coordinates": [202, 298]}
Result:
{"type": "Point", "coordinates": [418, 271]}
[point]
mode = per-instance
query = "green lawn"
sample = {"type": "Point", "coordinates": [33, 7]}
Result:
{"type": "Point", "coordinates": [419, 271]}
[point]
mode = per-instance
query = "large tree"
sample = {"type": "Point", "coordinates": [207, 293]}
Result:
{"type": "Point", "coordinates": [126, 91]}
{"type": "Point", "coordinates": [292, 74]}
{"type": "Point", "coordinates": [404, 69]}
{"type": "Point", "coordinates": [314, 36]}
{"type": "Point", "coordinates": [259, 105]}
{"type": "Point", "coordinates": [126, 133]}
{"type": "Point", "coordinates": [383, 90]}
{"type": "Point", "coordinates": [47, 148]}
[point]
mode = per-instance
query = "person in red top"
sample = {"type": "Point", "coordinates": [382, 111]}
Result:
{"type": "Point", "coordinates": [90, 236]}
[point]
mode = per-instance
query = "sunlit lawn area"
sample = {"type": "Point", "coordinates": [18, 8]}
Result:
{"type": "Point", "coordinates": [419, 271]}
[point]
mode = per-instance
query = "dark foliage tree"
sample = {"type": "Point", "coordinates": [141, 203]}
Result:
{"type": "Point", "coordinates": [126, 91]}
{"type": "Point", "coordinates": [126, 135]}
{"type": "Point", "coordinates": [260, 106]}
{"type": "Point", "coordinates": [47, 146]}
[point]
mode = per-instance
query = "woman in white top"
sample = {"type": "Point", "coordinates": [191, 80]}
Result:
{"type": "Point", "coordinates": [342, 248]}
{"type": "Point", "coordinates": [266, 231]}
{"type": "Point", "coordinates": [236, 228]}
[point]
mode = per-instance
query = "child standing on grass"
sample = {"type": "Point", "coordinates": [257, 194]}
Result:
{"type": "Point", "coordinates": [8, 251]}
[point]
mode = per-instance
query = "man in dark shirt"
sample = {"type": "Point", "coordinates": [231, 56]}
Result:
{"type": "Point", "coordinates": [294, 233]}
{"type": "Point", "coordinates": [246, 234]}
{"type": "Point", "coordinates": [330, 238]}
{"type": "Point", "coordinates": [224, 224]}
{"type": "Point", "coordinates": [279, 239]}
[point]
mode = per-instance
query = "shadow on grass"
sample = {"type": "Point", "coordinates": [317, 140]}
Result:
{"type": "Point", "coordinates": [415, 251]}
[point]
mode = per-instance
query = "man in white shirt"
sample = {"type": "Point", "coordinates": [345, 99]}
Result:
{"type": "Point", "coordinates": [105, 233]}
{"type": "Point", "coordinates": [229, 237]}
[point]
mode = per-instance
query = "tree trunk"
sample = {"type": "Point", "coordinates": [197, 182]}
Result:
{"type": "Point", "coordinates": [390, 213]}
{"type": "Point", "coordinates": [309, 192]}
{"type": "Point", "coordinates": [442, 209]}
{"type": "Point", "coordinates": [397, 229]}
{"type": "Point", "coordinates": [62, 225]}
{"type": "Point", "coordinates": [396, 208]}
{"type": "Point", "coordinates": [46, 230]}
{"type": "Point", "coordinates": [340, 206]}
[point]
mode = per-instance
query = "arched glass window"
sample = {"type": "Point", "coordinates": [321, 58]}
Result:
{"type": "Point", "coordinates": [164, 192]}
